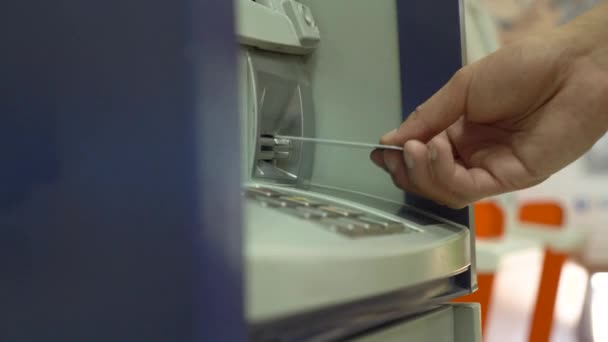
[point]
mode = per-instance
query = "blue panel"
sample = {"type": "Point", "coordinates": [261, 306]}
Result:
{"type": "Point", "coordinates": [106, 228]}
{"type": "Point", "coordinates": [430, 53]}
{"type": "Point", "coordinates": [430, 47]}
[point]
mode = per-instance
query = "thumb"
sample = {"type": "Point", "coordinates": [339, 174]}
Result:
{"type": "Point", "coordinates": [437, 114]}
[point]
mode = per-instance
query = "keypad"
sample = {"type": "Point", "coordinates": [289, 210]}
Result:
{"type": "Point", "coordinates": [343, 220]}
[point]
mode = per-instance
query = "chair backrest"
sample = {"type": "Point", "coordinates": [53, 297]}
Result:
{"type": "Point", "coordinates": [489, 220]}
{"type": "Point", "coordinates": [547, 213]}
{"type": "Point", "coordinates": [489, 223]}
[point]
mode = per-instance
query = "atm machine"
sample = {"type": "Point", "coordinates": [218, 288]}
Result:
{"type": "Point", "coordinates": [119, 188]}
{"type": "Point", "coordinates": [333, 250]}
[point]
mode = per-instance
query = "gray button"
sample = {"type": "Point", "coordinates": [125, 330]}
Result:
{"type": "Point", "coordinates": [258, 191]}
{"type": "Point", "coordinates": [368, 227]}
{"type": "Point", "coordinates": [301, 201]}
{"type": "Point", "coordinates": [387, 225]}
{"type": "Point", "coordinates": [271, 202]}
{"type": "Point", "coordinates": [342, 211]}
{"type": "Point", "coordinates": [312, 213]}
{"type": "Point", "coordinates": [308, 19]}
{"type": "Point", "coordinates": [305, 214]}
{"type": "Point", "coordinates": [344, 228]}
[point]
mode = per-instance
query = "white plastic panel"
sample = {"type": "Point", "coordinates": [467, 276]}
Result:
{"type": "Point", "coordinates": [452, 323]}
{"type": "Point", "coordinates": [356, 89]}
{"type": "Point", "coordinates": [284, 26]}
{"type": "Point", "coordinates": [295, 265]}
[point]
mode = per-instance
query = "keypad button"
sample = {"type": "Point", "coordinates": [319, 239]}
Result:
{"type": "Point", "coordinates": [345, 228]}
{"type": "Point", "coordinates": [259, 191]}
{"type": "Point", "coordinates": [368, 227]}
{"type": "Point", "coordinates": [342, 211]}
{"type": "Point", "coordinates": [387, 225]}
{"type": "Point", "coordinates": [399, 228]}
{"type": "Point", "coordinates": [271, 202]}
{"type": "Point", "coordinates": [313, 213]}
{"type": "Point", "coordinates": [302, 212]}
{"type": "Point", "coordinates": [301, 201]}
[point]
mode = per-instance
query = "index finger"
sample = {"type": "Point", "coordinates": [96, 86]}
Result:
{"type": "Point", "coordinates": [435, 115]}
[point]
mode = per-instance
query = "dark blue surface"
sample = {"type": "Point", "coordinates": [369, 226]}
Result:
{"type": "Point", "coordinates": [430, 53]}
{"type": "Point", "coordinates": [430, 48]}
{"type": "Point", "coordinates": [117, 221]}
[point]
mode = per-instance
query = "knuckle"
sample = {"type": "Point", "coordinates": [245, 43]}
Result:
{"type": "Point", "coordinates": [462, 77]}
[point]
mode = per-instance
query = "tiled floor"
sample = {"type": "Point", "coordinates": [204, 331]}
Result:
{"type": "Point", "coordinates": [514, 295]}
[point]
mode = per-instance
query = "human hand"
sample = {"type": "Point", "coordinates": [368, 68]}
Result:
{"type": "Point", "coordinates": [508, 121]}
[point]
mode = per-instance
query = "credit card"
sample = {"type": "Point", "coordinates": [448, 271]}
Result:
{"type": "Point", "coordinates": [354, 144]}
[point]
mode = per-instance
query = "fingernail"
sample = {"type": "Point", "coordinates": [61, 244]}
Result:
{"type": "Point", "coordinates": [389, 134]}
{"type": "Point", "coordinates": [416, 111]}
{"type": "Point", "coordinates": [391, 164]}
{"type": "Point", "coordinates": [408, 161]}
{"type": "Point", "coordinates": [433, 153]}
{"type": "Point", "coordinates": [376, 157]}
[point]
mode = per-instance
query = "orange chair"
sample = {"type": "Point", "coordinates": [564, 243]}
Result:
{"type": "Point", "coordinates": [489, 224]}
{"type": "Point", "coordinates": [551, 216]}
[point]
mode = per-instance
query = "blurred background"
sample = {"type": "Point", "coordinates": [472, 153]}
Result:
{"type": "Point", "coordinates": [542, 252]}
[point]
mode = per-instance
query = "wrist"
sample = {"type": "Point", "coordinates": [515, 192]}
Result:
{"type": "Point", "coordinates": [585, 41]}
{"type": "Point", "coordinates": [587, 35]}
